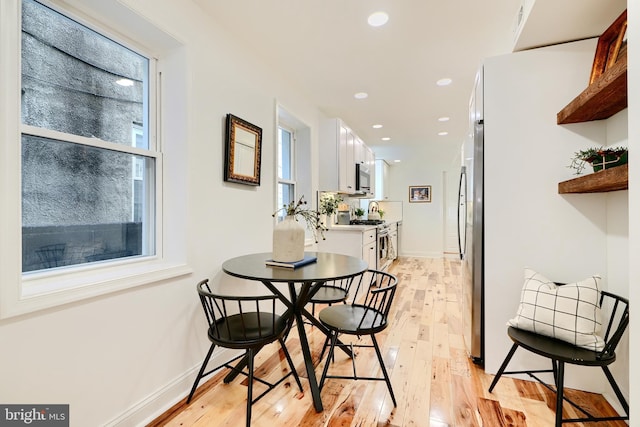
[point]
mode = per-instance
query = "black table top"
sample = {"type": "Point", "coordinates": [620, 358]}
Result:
{"type": "Point", "coordinates": [328, 266]}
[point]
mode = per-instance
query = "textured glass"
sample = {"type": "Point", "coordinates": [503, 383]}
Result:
{"type": "Point", "coordinates": [77, 81]}
{"type": "Point", "coordinates": [83, 204]}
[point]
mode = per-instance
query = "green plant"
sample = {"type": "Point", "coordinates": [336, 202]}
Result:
{"type": "Point", "coordinates": [312, 218]}
{"type": "Point", "coordinates": [381, 212]}
{"type": "Point", "coordinates": [599, 157]}
{"type": "Point", "coordinates": [329, 203]}
{"type": "Point", "coordinates": [359, 212]}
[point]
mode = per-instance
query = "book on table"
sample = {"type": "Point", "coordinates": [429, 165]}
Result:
{"type": "Point", "coordinates": [308, 259]}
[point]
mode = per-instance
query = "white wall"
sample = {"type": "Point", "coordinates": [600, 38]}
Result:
{"type": "Point", "coordinates": [527, 223]}
{"type": "Point", "coordinates": [633, 73]}
{"type": "Point", "coordinates": [422, 223]}
{"type": "Point", "coordinates": [126, 356]}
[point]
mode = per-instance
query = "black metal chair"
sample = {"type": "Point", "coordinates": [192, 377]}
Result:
{"type": "Point", "coordinates": [561, 352]}
{"type": "Point", "coordinates": [330, 293]}
{"type": "Point", "coordinates": [366, 314]}
{"type": "Point", "coordinates": [243, 322]}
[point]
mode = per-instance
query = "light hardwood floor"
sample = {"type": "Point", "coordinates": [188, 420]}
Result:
{"type": "Point", "coordinates": [433, 379]}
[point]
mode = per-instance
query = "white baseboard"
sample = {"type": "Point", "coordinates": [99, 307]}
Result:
{"type": "Point", "coordinates": [157, 403]}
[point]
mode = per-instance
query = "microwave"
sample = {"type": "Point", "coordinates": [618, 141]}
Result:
{"type": "Point", "coordinates": [363, 179]}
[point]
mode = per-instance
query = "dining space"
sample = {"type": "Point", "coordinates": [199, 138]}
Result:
{"type": "Point", "coordinates": [434, 382]}
{"type": "Point", "coordinates": [246, 318]}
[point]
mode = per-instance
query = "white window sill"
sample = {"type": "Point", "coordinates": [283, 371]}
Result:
{"type": "Point", "coordinates": [38, 291]}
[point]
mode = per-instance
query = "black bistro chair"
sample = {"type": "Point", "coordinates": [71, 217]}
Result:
{"type": "Point", "coordinates": [366, 314]}
{"type": "Point", "coordinates": [247, 323]}
{"type": "Point", "coordinates": [561, 352]}
{"type": "Point", "coordinates": [331, 292]}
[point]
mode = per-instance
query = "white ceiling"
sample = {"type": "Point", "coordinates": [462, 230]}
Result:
{"type": "Point", "coordinates": [327, 49]}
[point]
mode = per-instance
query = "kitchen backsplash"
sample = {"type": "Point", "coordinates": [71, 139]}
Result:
{"type": "Point", "coordinates": [392, 210]}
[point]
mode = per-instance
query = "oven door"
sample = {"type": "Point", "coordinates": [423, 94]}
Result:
{"type": "Point", "coordinates": [383, 251]}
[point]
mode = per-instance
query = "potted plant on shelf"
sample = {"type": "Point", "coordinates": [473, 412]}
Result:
{"type": "Point", "coordinates": [600, 158]}
{"type": "Point", "coordinates": [359, 213]}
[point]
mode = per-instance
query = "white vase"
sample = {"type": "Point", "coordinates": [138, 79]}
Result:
{"type": "Point", "coordinates": [327, 220]}
{"type": "Point", "coordinates": [288, 240]}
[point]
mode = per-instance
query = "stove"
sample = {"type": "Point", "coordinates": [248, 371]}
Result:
{"type": "Point", "coordinates": [366, 221]}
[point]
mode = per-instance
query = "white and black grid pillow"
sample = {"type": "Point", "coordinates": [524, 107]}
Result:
{"type": "Point", "coordinates": [568, 312]}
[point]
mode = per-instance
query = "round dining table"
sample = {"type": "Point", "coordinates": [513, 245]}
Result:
{"type": "Point", "coordinates": [302, 283]}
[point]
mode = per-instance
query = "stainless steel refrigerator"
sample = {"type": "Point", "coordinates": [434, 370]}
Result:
{"type": "Point", "coordinates": [471, 231]}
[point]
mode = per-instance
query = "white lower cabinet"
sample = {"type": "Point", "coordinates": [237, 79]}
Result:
{"type": "Point", "coordinates": [357, 241]}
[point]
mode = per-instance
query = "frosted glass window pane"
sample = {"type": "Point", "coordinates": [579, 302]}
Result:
{"type": "Point", "coordinates": [84, 204]}
{"type": "Point", "coordinates": [76, 81]}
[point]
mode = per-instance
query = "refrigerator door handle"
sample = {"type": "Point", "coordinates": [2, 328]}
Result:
{"type": "Point", "coordinates": [462, 212]}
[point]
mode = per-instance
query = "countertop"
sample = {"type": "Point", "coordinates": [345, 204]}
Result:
{"type": "Point", "coordinates": [359, 228]}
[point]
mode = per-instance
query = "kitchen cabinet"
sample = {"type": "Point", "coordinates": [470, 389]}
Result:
{"type": "Point", "coordinates": [605, 97]}
{"type": "Point", "coordinates": [340, 150]}
{"type": "Point", "coordinates": [358, 241]}
{"type": "Point", "coordinates": [337, 164]}
{"type": "Point", "coordinates": [337, 161]}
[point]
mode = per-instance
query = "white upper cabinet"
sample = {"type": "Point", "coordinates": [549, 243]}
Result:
{"type": "Point", "coordinates": [340, 150]}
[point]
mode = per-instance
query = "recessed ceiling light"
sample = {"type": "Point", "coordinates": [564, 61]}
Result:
{"type": "Point", "coordinates": [443, 133]}
{"type": "Point", "coordinates": [125, 82]}
{"type": "Point", "coordinates": [377, 126]}
{"type": "Point", "coordinates": [386, 138]}
{"type": "Point", "coordinates": [443, 119]}
{"type": "Point", "coordinates": [378, 19]}
{"type": "Point", "coordinates": [361, 95]}
{"type": "Point", "coordinates": [396, 161]}
{"type": "Point", "coordinates": [444, 82]}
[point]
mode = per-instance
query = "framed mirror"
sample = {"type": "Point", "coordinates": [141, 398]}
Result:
{"type": "Point", "coordinates": [242, 154]}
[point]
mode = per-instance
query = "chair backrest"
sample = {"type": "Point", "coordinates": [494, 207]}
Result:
{"type": "Point", "coordinates": [375, 291]}
{"type": "Point", "coordinates": [240, 319]}
{"type": "Point", "coordinates": [618, 309]}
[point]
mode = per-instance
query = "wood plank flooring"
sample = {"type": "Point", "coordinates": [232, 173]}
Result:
{"type": "Point", "coordinates": [434, 381]}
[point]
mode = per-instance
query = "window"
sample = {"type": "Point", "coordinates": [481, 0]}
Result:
{"type": "Point", "coordinates": [294, 164]}
{"type": "Point", "coordinates": [82, 157]}
{"type": "Point", "coordinates": [286, 168]}
{"type": "Point", "coordinates": [88, 154]}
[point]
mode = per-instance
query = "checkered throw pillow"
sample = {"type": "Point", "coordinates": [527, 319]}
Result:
{"type": "Point", "coordinates": [568, 312]}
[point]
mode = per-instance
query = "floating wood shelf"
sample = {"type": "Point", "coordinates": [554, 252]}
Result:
{"type": "Point", "coordinates": [606, 96]}
{"type": "Point", "coordinates": [605, 180]}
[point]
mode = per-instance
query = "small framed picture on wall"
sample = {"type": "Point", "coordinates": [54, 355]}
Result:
{"type": "Point", "coordinates": [419, 194]}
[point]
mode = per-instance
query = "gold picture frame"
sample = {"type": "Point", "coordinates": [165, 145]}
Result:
{"type": "Point", "coordinates": [608, 48]}
{"type": "Point", "coordinates": [243, 151]}
{"type": "Point", "coordinates": [419, 194]}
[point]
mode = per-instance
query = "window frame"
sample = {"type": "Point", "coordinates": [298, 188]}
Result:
{"type": "Point", "coordinates": [23, 293]}
{"type": "Point", "coordinates": [292, 182]}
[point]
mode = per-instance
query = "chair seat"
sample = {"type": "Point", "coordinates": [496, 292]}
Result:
{"type": "Point", "coordinates": [247, 329]}
{"type": "Point", "coordinates": [557, 349]}
{"type": "Point", "coordinates": [348, 319]}
{"type": "Point", "coordinates": [329, 295]}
